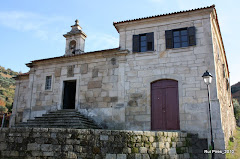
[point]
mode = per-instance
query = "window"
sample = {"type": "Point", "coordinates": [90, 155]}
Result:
{"type": "Point", "coordinates": [48, 82]}
{"type": "Point", "coordinates": [143, 42]}
{"type": "Point", "coordinates": [227, 84]}
{"type": "Point", "coordinates": [182, 37]}
{"type": "Point", "coordinates": [223, 70]}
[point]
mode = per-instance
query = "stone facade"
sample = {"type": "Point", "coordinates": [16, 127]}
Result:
{"type": "Point", "coordinates": [113, 86]}
{"type": "Point", "coordinates": [55, 143]}
{"type": "Point", "coordinates": [227, 121]}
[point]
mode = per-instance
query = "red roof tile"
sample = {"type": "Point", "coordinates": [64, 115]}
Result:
{"type": "Point", "coordinates": [23, 74]}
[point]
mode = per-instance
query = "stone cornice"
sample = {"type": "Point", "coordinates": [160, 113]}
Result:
{"type": "Point", "coordinates": [72, 58]}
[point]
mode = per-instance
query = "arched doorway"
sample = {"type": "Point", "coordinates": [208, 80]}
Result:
{"type": "Point", "coordinates": [164, 105]}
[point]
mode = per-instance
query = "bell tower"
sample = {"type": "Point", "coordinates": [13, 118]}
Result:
{"type": "Point", "coordinates": [75, 40]}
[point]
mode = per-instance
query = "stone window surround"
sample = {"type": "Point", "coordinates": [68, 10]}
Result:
{"type": "Point", "coordinates": [77, 100]}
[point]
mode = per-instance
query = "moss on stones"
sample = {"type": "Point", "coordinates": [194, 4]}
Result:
{"type": "Point", "coordinates": [179, 150]}
{"type": "Point", "coordinates": [135, 150]}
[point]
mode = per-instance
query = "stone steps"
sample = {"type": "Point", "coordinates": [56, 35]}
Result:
{"type": "Point", "coordinates": [62, 115]}
{"type": "Point", "coordinates": [61, 119]}
{"type": "Point", "coordinates": [77, 125]}
{"type": "Point", "coordinates": [58, 126]}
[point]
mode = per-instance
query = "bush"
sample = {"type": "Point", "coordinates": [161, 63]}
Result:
{"type": "Point", "coordinates": [236, 109]}
{"type": "Point", "coordinates": [3, 109]}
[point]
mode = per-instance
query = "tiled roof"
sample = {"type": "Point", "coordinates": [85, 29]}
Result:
{"type": "Point", "coordinates": [59, 57]}
{"type": "Point", "coordinates": [160, 15]}
{"type": "Point", "coordinates": [23, 74]}
{"type": "Point", "coordinates": [20, 75]}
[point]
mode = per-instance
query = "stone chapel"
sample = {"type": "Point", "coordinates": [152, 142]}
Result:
{"type": "Point", "coordinates": [152, 81]}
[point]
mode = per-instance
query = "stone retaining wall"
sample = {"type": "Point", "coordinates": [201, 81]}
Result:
{"type": "Point", "coordinates": [18, 143]}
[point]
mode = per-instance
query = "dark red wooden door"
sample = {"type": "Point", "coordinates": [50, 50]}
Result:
{"type": "Point", "coordinates": [165, 107]}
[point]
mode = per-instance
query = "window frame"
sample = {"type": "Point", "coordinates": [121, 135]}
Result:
{"type": "Point", "coordinates": [180, 37]}
{"type": "Point", "coordinates": [191, 37]}
{"type": "Point", "coordinates": [137, 45]}
{"type": "Point", "coordinates": [141, 41]}
{"type": "Point", "coordinates": [51, 83]}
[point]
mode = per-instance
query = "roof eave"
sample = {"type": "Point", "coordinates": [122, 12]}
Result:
{"type": "Point", "coordinates": [116, 24]}
{"type": "Point", "coordinates": [32, 63]}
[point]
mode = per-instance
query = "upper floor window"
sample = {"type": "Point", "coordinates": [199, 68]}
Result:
{"type": "Point", "coordinates": [48, 83]}
{"type": "Point", "coordinates": [143, 42]}
{"type": "Point", "coordinates": [182, 37]}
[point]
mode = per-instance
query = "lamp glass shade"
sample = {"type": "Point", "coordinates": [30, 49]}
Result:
{"type": "Point", "coordinates": [207, 80]}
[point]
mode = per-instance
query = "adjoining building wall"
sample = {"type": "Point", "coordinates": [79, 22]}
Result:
{"type": "Point", "coordinates": [21, 100]}
{"type": "Point", "coordinates": [186, 65]}
{"type": "Point", "coordinates": [227, 121]}
{"type": "Point", "coordinates": [99, 94]}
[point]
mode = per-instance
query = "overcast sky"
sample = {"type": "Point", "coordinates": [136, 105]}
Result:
{"type": "Point", "coordinates": [33, 29]}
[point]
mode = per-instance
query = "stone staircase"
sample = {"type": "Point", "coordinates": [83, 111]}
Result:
{"type": "Point", "coordinates": [66, 118]}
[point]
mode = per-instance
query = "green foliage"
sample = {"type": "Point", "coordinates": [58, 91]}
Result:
{"type": "Point", "coordinates": [234, 147]}
{"type": "Point", "coordinates": [7, 71]}
{"type": "Point", "coordinates": [9, 107]}
{"type": "Point", "coordinates": [157, 138]}
{"type": "Point", "coordinates": [3, 109]}
{"type": "Point", "coordinates": [7, 87]}
{"type": "Point", "coordinates": [210, 147]}
{"type": "Point", "coordinates": [154, 156]}
{"type": "Point", "coordinates": [173, 139]}
{"type": "Point", "coordinates": [236, 109]}
{"type": "Point", "coordinates": [135, 150]}
{"type": "Point", "coordinates": [178, 150]}
{"type": "Point", "coordinates": [188, 142]}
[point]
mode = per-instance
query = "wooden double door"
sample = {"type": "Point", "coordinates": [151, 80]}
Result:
{"type": "Point", "coordinates": [164, 105]}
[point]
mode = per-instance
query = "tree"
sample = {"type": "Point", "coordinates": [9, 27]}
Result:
{"type": "Point", "coordinates": [9, 106]}
{"type": "Point", "coordinates": [236, 109]}
{"type": "Point", "coordinates": [2, 103]}
{"type": "Point", "coordinates": [3, 109]}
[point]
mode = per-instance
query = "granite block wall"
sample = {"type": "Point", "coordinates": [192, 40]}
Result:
{"type": "Point", "coordinates": [33, 143]}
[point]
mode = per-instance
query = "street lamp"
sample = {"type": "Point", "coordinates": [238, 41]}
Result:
{"type": "Point", "coordinates": [207, 78]}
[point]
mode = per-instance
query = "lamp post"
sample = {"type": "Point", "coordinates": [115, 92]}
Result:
{"type": "Point", "coordinates": [207, 78]}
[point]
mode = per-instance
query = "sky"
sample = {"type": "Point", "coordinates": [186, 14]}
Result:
{"type": "Point", "coordinates": [32, 30]}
